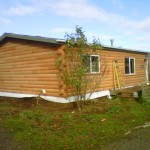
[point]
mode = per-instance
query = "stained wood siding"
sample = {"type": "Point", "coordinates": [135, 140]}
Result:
{"type": "Point", "coordinates": [127, 80]}
{"type": "Point", "coordinates": [28, 67]}
{"type": "Point", "coordinates": [107, 57]}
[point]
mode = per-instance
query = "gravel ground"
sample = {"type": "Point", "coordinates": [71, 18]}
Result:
{"type": "Point", "coordinates": [139, 139]}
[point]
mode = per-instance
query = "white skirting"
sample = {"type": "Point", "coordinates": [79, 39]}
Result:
{"type": "Point", "coordinates": [54, 98]}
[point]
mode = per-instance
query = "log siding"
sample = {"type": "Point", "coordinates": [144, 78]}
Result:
{"type": "Point", "coordinates": [28, 66]}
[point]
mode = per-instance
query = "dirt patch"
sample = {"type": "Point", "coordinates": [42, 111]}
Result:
{"type": "Point", "coordinates": [96, 106]}
{"type": "Point", "coordinates": [32, 102]}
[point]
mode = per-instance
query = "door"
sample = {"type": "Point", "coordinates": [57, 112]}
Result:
{"type": "Point", "coordinates": [146, 68]}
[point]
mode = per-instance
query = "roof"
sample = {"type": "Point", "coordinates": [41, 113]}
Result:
{"type": "Point", "coordinates": [31, 38]}
{"type": "Point", "coordinates": [59, 41]}
{"type": "Point", "coordinates": [112, 48]}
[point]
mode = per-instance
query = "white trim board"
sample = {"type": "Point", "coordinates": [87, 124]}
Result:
{"type": "Point", "coordinates": [54, 98]}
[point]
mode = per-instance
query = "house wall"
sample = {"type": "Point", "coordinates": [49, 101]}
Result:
{"type": "Point", "coordinates": [28, 67]}
{"type": "Point", "coordinates": [127, 80]}
{"type": "Point", "coordinates": [107, 57]}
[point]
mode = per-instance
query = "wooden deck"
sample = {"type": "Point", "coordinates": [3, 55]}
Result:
{"type": "Point", "coordinates": [126, 92]}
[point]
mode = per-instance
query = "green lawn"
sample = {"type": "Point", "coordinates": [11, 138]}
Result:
{"type": "Point", "coordinates": [93, 127]}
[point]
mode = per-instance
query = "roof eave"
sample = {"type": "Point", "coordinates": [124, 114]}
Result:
{"type": "Point", "coordinates": [60, 41]}
{"type": "Point", "coordinates": [30, 38]}
{"type": "Point", "coordinates": [123, 49]}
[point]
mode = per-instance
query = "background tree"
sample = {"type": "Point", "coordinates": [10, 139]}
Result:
{"type": "Point", "coordinates": [81, 77]}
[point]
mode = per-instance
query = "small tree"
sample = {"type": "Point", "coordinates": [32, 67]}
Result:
{"type": "Point", "coordinates": [74, 66]}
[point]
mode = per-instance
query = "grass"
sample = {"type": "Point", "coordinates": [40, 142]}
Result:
{"type": "Point", "coordinates": [91, 128]}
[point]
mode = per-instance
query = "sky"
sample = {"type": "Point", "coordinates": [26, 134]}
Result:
{"type": "Point", "coordinates": [127, 22]}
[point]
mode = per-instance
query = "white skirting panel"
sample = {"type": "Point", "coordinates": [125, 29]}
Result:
{"type": "Point", "coordinates": [56, 99]}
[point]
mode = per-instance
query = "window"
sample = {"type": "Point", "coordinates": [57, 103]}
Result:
{"type": "Point", "coordinates": [129, 65]}
{"type": "Point", "coordinates": [91, 63]}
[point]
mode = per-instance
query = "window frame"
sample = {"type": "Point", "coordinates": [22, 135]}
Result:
{"type": "Point", "coordinates": [129, 69]}
{"type": "Point", "coordinates": [90, 67]}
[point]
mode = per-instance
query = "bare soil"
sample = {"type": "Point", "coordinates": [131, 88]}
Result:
{"type": "Point", "coordinates": [32, 102]}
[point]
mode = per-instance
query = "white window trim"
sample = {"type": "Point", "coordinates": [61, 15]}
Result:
{"type": "Point", "coordinates": [129, 66]}
{"type": "Point", "coordinates": [91, 64]}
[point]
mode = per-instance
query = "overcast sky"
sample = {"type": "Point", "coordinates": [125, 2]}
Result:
{"type": "Point", "coordinates": [125, 21]}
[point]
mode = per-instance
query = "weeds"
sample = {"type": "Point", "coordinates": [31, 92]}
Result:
{"type": "Point", "coordinates": [115, 109]}
{"type": "Point", "coordinates": [87, 129]}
